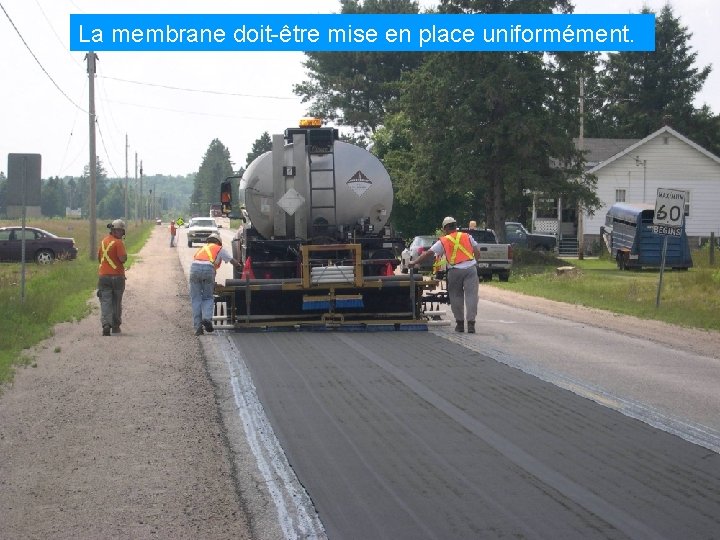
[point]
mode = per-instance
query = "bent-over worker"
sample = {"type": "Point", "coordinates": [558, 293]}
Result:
{"type": "Point", "coordinates": [205, 263]}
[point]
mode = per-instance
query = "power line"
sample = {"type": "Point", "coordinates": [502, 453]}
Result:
{"type": "Point", "coordinates": [107, 154]}
{"type": "Point", "coordinates": [38, 61]}
{"type": "Point", "coordinates": [181, 89]}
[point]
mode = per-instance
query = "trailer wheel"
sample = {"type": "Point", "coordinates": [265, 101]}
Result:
{"type": "Point", "coordinates": [622, 259]}
{"type": "Point", "coordinates": [504, 276]}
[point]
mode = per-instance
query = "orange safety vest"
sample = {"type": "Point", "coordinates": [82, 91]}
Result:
{"type": "Point", "coordinates": [109, 253]}
{"type": "Point", "coordinates": [458, 248]}
{"type": "Point", "coordinates": [209, 252]}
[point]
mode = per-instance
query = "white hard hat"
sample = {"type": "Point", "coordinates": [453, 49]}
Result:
{"type": "Point", "coordinates": [448, 220]}
{"type": "Point", "coordinates": [214, 237]}
{"type": "Point", "coordinates": [118, 224]}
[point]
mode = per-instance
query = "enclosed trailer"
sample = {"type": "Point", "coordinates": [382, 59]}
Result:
{"type": "Point", "coordinates": [635, 242]}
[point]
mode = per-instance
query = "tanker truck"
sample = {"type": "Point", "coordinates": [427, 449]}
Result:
{"type": "Point", "coordinates": [315, 244]}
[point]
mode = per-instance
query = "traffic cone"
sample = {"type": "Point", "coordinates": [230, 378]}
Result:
{"type": "Point", "coordinates": [247, 272]}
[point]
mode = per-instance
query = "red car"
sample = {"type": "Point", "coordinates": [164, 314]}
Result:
{"type": "Point", "coordinates": [42, 246]}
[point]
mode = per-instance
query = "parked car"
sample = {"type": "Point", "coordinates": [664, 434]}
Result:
{"type": "Point", "coordinates": [40, 245]}
{"type": "Point", "coordinates": [418, 245]}
{"type": "Point", "coordinates": [199, 228]}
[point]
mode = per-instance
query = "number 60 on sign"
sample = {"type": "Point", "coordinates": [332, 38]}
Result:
{"type": "Point", "coordinates": [669, 207]}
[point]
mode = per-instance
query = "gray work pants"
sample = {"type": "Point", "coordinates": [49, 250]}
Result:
{"type": "Point", "coordinates": [462, 286]}
{"type": "Point", "coordinates": [110, 292]}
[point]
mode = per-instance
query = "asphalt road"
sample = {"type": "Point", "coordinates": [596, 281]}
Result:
{"type": "Point", "coordinates": [533, 428]}
{"type": "Point", "coordinates": [409, 435]}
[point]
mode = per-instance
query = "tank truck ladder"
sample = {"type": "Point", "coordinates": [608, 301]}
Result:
{"type": "Point", "coordinates": [322, 181]}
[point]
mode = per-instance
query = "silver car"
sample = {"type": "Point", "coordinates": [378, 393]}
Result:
{"type": "Point", "coordinates": [199, 229]}
{"type": "Point", "coordinates": [418, 245]}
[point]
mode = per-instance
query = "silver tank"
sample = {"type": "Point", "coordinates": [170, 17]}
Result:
{"type": "Point", "coordinates": [363, 191]}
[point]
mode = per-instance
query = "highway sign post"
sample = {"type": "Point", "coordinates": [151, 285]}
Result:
{"type": "Point", "coordinates": [667, 221]}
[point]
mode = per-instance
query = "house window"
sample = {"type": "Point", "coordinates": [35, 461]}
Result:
{"type": "Point", "coordinates": [619, 195]}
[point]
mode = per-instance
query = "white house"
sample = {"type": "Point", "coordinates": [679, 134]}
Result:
{"type": "Point", "coordinates": [632, 170]}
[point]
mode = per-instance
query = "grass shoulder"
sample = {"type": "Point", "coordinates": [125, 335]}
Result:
{"type": "Point", "coordinates": [53, 293]}
{"type": "Point", "coordinates": [688, 298]}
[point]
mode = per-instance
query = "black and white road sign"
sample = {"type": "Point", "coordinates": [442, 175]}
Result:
{"type": "Point", "coordinates": [669, 207]}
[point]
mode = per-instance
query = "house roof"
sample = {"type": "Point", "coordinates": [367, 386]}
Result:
{"type": "Point", "coordinates": [633, 145]}
{"type": "Point", "coordinates": [599, 150]}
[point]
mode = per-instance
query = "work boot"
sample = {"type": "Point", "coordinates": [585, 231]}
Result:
{"type": "Point", "coordinates": [459, 326]}
{"type": "Point", "coordinates": [116, 329]}
{"type": "Point", "coordinates": [471, 327]}
{"type": "Point", "coordinates": [199, 331]}
{"type": "Point", "coordinates": [208, 325]}
{"type": "Point", "coordinates": [106, 329]}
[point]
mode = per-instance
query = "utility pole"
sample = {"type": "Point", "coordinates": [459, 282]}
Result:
{"type": "Point", "coordinates": [137, 196]}
{"type": "Point", "coordinates": [581, 145]}
{"type": "Point", "coordinates": [127, 215]}
{"type": "Point", "coordinates": [141, 192]}
{"type": "Point", "coordinates": [91, 58]}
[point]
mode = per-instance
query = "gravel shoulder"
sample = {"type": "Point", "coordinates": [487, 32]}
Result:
{"type": "Point", "coordinates": [121, 436]}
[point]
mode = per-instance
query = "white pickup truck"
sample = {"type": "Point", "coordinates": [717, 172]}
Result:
{"type": "Point", "coordinates": [495, 259]}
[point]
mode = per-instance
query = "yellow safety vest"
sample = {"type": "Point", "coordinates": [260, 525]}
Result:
{"type": "Point", "coordinates": [207, 253]}
{"type": "Point", "coordinates": [105, 257]}
{"type": "Point", "coordinates": [457, 248]}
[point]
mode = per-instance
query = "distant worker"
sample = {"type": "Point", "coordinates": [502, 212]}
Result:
{"type": "Point", "coordinates": [461, 250]}
{"type": "Point", "coordinates": [472, 225]}
{"type": "Point", "coordinates": [205, 263]}
{"type": "Point", "coordinates": [173, 232]}
{"type": "Point", "coordinates": [111, 277]}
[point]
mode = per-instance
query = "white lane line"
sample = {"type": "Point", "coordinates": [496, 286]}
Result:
{"type": "Point", "coordinates": [606, 510]}
{"type": "Point", "coordinates": [699, 434]}
{"type": "Point", "coordinates": [296, 513]}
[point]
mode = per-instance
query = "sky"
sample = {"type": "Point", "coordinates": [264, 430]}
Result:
{"type": "Point", "coordinates": [164, 109]}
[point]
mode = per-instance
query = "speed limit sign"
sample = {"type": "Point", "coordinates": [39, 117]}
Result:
{"type": "Point", "coordinates": [669, 207]}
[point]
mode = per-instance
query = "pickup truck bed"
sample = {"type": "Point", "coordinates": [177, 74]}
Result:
{"type": "Point", "coordinates": [495, 259]}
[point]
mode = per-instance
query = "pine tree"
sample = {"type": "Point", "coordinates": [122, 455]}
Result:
{"type": "Point", "coordinates": [355, 88]}
{"type": "Point", "coordinates": [215, 168]}
{"type": "Point", "coordinates": [643, 91]}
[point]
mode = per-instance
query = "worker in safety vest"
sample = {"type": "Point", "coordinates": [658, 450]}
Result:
{"type": "Point", "coordinates": [111, 277]}
{"type": "Point", "coordinates": [173, 232]}
{"type": "Point", "coordinates": [460, 250]}
{"type": "Point", "coordinates": [205, 263]}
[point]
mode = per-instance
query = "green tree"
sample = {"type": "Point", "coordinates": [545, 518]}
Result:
{"type": "Point", "coordinates": [112, 204]}
{"type": "Point", "coordinates": [83, 186]}
{"type": "Point", "coordinates": [53, 198]}
{"type": "Point", "coordinates": [73, 196]}
{"type": "Point", "coordinates": [261, 145]}
{"type": "Point", "coordinates": [355, 88]}
{"type": "Point", "coordinates": [481, 129]}
{"type": "Point", "coordinates": [644, 90]}
{"type": "Point", "coordinates": [214, 169]}
{"type": "Point", "coordinates": [3, 193]}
